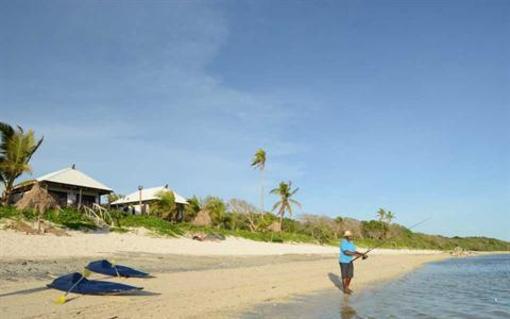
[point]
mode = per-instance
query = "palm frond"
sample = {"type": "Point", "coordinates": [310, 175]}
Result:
{"type": "Point", "coordinates": [295, 202]}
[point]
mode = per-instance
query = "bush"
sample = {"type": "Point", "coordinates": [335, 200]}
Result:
{"type": "Point", "coordinates": [152, 223]}
{"type": "Point", "coordinates": [217, 209]}
{"type": "Point", "coordinates": [374, 229]}
{"type": "Point", "coordinates": [70, 218]}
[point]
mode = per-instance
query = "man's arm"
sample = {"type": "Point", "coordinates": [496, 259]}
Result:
{"type": "Point", "coordinates": [354, 253]}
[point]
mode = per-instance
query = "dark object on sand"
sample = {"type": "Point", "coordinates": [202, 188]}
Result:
{"type": "Point", "coordinates": [76, 283]}
{"type": "Point", "coordinates": [210, 237]}
{"type": "Point", "coordinates": [107, 268]}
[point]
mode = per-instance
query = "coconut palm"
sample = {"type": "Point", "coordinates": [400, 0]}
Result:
{"type": "Point", "coordinates": [165, 206]}
{"type": "Point", "coordinates": [16, 149]}
{"type": "Point", "coordinates": [193, 208]}
{"type": "Point", "coordinates": [381, 214]}
{"type": "Point", "coordinates": [259, 161]}
{"type": "Point", "coordinates": [389, 217]}
{"type": "Point", "coordinates": [285, 191]}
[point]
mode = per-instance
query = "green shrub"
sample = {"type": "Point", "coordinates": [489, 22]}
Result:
{"type": "Point", "coordinates": [152, 223]}
{"type": "Point", "coordinates": [374, 229]}
{"type": "Point", "coordinates": [70, 218]}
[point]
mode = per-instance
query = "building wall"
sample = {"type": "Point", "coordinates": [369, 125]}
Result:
{"type": "Point", "coordinates": [136, 209]}
{"type": "Point", "coordinates": [70, 196]}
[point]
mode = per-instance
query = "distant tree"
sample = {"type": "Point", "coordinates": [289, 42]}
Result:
{"type": "Point", "coordinates": [193, 208]}
{"type": "Point", "coordinates": [389, 217]}
{"type": "Point", "coordinates": [216, 208]}
{"type": "Point", "coordinates": [259, 161]}
{"type": "Point", "coordinates": [16, 149]}
{"type": "Point", "coordinates": [284, 205]}
{"type": "Point", "coordinates": [165, 206]}
{"type": "Point", "coordinates": [374, 229]}
{"type": "Point", "coordinates": [113, 197]}
{"type": "Point", "coordinates": [245, 213]}
{"type": "Point", "coordinates": [381, 215]}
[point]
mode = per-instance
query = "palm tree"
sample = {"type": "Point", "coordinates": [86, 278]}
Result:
{"type": "Point", "coordinates": [285, 191]}
{"type": "Point", "coordinates": [381, 214]}
{"type": "Point", "coordinates": [389, 217]}
{"type": "Point", "coordinates": [259, 161]}
{"type": "Point", "coordinates": [165, 206]}
{"type": "Point", "coordinates": [16, 150]}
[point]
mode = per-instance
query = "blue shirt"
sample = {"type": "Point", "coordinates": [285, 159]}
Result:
{"type": "Point", "coordinates": [344, 246]}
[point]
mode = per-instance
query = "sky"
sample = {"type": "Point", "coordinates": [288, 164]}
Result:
{"type": "Point", "coordinates": [402, 105]}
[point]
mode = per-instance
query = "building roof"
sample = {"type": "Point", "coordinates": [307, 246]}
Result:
{"type": "Point", "coordinates": [148, 194]}
{"type": "Point", "coordinates": [74, 177]}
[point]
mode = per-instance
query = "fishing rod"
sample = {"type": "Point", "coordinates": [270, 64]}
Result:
{"type": "Point", "coordinates": [384, 241]}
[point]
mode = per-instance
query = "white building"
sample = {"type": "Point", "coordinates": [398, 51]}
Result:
{"type": "Point", "coordinates": [145, 197]}
{"type": "Point", "coordinates": [69, 186]}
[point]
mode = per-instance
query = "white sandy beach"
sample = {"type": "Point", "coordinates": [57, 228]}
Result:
{"type": "Point", "coordinates": [213, 292]}
{"type": "Point", "coordinates": [16, 245]}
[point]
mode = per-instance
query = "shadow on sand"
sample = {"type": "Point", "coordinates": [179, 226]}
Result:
{"type": "Point", "coordinates": [335, 280]}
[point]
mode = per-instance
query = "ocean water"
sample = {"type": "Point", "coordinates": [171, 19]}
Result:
{"type": "Point", "coordinates": [473, 287]}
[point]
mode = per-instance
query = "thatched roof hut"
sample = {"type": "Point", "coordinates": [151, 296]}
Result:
{"type": "Point", "coordinates": [275, 227]}
{"type": "Point", "coordinates": [202, 219]}
{"type": "Point", "coordinates": [37, 198]}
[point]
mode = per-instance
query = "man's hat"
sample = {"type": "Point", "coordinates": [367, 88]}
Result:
{"type": "Point", "coordinates": [347, 233]}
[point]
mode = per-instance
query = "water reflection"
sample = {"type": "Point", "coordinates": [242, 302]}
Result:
{"type": "Point", "coordinates": [347, 311]}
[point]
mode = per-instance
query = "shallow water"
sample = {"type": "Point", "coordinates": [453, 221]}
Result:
{"type": "Point", "coordinates": [474, 287]}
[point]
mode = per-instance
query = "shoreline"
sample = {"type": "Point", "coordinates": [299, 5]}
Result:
{"type": "Point", "coordinates": [188, 285]}
{"type": "Point", "coordinates": [214, 293]}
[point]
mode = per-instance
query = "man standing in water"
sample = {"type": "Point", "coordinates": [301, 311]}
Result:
{"type": "Point", "coordinates": [347, 251]}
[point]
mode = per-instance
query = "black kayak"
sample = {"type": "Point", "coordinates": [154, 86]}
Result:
{"type": "Point", "coordinates": [90, 287]}
{"type": "Point", "coordinates": [107, 268]}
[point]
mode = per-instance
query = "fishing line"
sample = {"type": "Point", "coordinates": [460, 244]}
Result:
{"type": "Point", "coordinates": [384, 241]}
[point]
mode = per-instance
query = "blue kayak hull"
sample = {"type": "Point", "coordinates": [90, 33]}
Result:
{"type": "Point", "coordinates": [90, 287]}
{"type": "Point", "coordinates": [106, 268]}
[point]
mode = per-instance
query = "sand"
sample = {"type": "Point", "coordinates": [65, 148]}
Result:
{"type": "Point", "coordinates": [15, 245]}
{"type": "Point", "coordinates": [193, 279]}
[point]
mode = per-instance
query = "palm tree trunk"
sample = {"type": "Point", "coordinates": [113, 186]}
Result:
{"type": "Point", "coordinates": [281, 220]}
{"type": "Point", "coordinates": [7, 192]}
{"type": "Point", "coordinates": [262, 189]}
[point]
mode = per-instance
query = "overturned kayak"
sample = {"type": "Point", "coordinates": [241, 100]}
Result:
{"type": "Point", "coordinates": [107, 268]}
{"type": "Point", "coordinates": [82, 285]}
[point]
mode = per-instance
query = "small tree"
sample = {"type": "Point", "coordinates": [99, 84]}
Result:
{"type": "Point", "coordinates": [381, 215]}
{"type": "Point", "coordinates": [216, 209]}
{"type": "Point", "coordinates": [16, 149]}
{"type": "Point", "coordinates": [165, 206]}
{"type": "Point", "coordinates": [284, 205]}
{"type": "Point", "coordinates": [192, 209]}
{"type": "Point", "coordinates": [389, 217]}
{"type": "Point", "coordinates": [244, 214]}
{"type": "Point", "coordinates": [113, 197]}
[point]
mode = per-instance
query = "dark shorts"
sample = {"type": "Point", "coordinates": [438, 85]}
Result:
{"type": "Point", "coordinates": [347, 270]}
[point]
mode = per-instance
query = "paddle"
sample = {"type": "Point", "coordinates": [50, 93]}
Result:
{"type": "Point", "coordinates": [384, 241]}
{"type": "Point", "coordinates": [115, 267]}
{"type": "Point", "coordinates": [62, 298]}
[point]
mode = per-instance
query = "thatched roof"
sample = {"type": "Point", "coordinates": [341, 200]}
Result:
{"type": "Point", "coordinates": [202, 219]}
{"type": "Point", "coordinates": [274, 227]}
{"type": "Point", "coordinates": [37, 198]}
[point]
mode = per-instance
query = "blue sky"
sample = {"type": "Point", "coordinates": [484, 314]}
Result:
{"type": "Point", "coordinates": [362, 104]}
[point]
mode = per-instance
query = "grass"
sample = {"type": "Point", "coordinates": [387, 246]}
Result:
{"type": "Point", "coordinates": [73, 219]}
